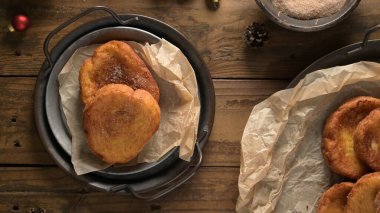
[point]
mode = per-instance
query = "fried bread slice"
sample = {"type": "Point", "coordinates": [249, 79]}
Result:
{"type": "Point", "coordinates": [367, 140]}
{"type": "Point", "coordinates": [363, 195]}
{"type": "Point", "coordinates": [334, 199]}
{"type": "Point", "coordinates": [338, 136]}
{"type": "Point", "coordinates": [115, 62]}
{"type": "Point", "coordinates": [119, 122]}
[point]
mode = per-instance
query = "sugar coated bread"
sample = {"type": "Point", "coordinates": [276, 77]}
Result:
{"type": "Point", "coordinates": [115, 62]}
{"type": "Point", "coordinates": [362, 197]}
{"type": "Point", "coordinates": [119, 122]}
{"type": "Point", "coordinates": [334, 199]}
{"type": "Point", "coordinates": [367, 140]}
{"type": "Point", "coordinates": [338, 136]}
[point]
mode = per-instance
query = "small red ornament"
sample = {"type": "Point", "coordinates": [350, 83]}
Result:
{"type": "Point", "coordinates": [19, 22]}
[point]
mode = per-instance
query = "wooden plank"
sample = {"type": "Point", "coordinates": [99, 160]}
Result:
{"type": "Point", "coordinates": [234, 102]}
{"type": "Point", "coordinates": [40, 179]}
{"type": "Point", "coordinates": [23, 189]}
{"type": "Point", "coordinates": [93, 203]}
{"type": "Point", "coordinates": [18, 135]}
{"type": "Point", "coordinates": [217, 35]}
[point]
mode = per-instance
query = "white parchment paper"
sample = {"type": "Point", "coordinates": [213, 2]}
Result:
{"type": "Point", "coordinates": [179, 104]}
{"type": "Point", "coordinates": [282, 167]}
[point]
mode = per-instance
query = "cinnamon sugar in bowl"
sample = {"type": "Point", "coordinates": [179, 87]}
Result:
{"type": "Point", "coordinates": [307, 15]}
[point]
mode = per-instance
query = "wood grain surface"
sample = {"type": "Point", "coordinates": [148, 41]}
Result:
{"type": "Point", "coordinates": [234, 102]}
{"type": "Point", "coordinates": [216, 34]}
{"type": "Point", "coordinates": [243, 76]}
{"type": "Point", "coordinates": [24, 189]}
{"type": "Point", "coordinates": [30, 181]}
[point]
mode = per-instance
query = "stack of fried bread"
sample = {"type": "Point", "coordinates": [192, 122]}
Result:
{"type": "Point", "coordinates": [346, 197]}
{"type": "Point", "coordinates": [120, 96]}
{"type": "Point", "coordinates": [351, 148]}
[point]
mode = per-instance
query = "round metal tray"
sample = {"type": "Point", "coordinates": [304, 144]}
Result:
{"type": "Point", "coordinates": [56, 117]}
{"type": "Point", "coordinates": [166, 176]}
{"type": "Point", "coordinates": [367, 50]}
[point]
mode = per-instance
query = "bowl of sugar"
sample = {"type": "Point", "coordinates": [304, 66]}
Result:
{"type": "Point", "coordinates": [307, 15]}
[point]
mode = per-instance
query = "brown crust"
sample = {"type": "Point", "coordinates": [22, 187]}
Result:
{"type": "Point", "coordinates": [115, 62]}
{"type": "Point", "coordinates": [119, 122]}
{"type": "Point", "coordinates": [334, 199]}
{"type": "Point", "coordinates": [337, 141]}
{"type": "Point", "coordinates": [367, 140]}
{"type": "Point", "coordinates": [363, 194]}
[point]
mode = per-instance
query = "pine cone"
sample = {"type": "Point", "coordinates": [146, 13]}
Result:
{"type": "Point", "coordinates": [255, 35]}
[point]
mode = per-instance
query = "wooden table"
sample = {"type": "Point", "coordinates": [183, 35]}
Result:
{"type": "Point", "coordinates": [29, 179]}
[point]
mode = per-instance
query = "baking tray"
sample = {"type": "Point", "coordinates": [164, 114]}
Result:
{"type": "Point", "coordinates": [167, 176]}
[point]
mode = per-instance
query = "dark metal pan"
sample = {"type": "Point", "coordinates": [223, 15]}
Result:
{"type": "Point", "coordinates": [367, 50]}
{"type": "Point", "coordinates": [167, 176]}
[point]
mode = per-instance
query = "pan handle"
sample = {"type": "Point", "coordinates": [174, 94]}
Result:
{"type": "Point", "coordinates": [365, 39]}
{"type": "Point", "coordinates": [368, 34]}
{"type": "Point", "coordinates": [161, 190]}
{"type": "Point", "coordinates": [75, 18]}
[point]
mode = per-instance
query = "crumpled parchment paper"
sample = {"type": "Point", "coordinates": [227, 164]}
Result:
{"type": "Point", "coordinates": [179, 104]}
{"type": "Point", "coordinates": [282, 167]}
